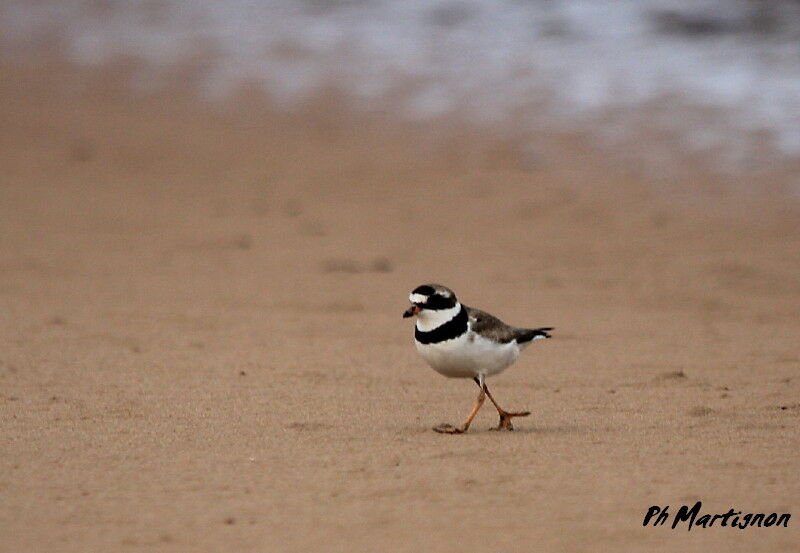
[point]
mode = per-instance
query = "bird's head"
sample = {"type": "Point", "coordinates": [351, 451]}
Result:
{"type": "Point", "coordinates": [430, 299]}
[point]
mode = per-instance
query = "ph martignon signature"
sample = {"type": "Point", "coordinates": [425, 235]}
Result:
{"type": "Point", "coordinates": [659, 516]}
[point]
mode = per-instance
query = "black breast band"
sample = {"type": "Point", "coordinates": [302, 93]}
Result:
{"type": "Point", "coordinates": [453, 328]}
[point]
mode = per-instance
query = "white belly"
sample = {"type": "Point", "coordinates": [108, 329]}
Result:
{"type": "Point", "coordinates": [468, 356]}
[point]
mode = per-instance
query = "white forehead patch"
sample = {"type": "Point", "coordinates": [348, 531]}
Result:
{"type": "Point", "coordinates": [417, 298]}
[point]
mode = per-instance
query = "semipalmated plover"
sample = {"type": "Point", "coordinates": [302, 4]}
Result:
{"type": "Point", "coordinates": [463, 342]}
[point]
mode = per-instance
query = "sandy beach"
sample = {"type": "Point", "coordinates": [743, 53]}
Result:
{"type": "Point", "coordinates": [202, 349]}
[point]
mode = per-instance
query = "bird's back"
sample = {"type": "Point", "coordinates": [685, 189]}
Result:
{"type": "Point", "coordinates": [489, 326]}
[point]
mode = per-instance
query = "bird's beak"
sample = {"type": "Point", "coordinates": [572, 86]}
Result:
{"type": "Point", "coordinates": [411, 311]}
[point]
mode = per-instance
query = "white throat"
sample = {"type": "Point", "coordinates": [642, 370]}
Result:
{"type": "Point", "coordinates": [428, 319]}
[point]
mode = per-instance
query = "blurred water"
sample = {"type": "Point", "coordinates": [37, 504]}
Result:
{"type": "Point", "coordinates": [658, 79]}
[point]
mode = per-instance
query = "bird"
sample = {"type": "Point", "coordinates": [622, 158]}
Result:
{"type": "Point", "coordinates": [463, 342]}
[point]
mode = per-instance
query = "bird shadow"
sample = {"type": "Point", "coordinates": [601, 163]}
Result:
{"type": "Point", "coordinates": [558, 429]}
{"type": "Point", "coordinates": [544, 429]}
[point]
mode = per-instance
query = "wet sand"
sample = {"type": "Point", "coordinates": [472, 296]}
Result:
{"type": "Point", "coordinates": [202, 349]}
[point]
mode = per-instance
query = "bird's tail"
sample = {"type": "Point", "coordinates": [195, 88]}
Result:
{"type": "Point", "coordinates": [535, 334]}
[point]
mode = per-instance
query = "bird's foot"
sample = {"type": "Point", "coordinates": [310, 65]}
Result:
{"type": "Point", "coordinates": [448, 429]}
{"type": "Point", "coordinates": [505, 419]}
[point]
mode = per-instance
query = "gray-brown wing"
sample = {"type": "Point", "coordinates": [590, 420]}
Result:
{"type": "Point", "coordinates": [491, 327]}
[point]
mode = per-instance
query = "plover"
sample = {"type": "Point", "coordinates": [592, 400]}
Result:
{"type": "Point", "coordinates": [463, 342]}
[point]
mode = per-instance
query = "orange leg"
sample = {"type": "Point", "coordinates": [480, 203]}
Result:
{"type": "Point", "coordinates": [450, 429]}
{"type": "Point", "coordinates": [505, 416]}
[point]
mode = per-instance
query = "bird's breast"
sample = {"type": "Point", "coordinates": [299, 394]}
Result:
{"type": "Point", "coordinates": [468, 355]}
